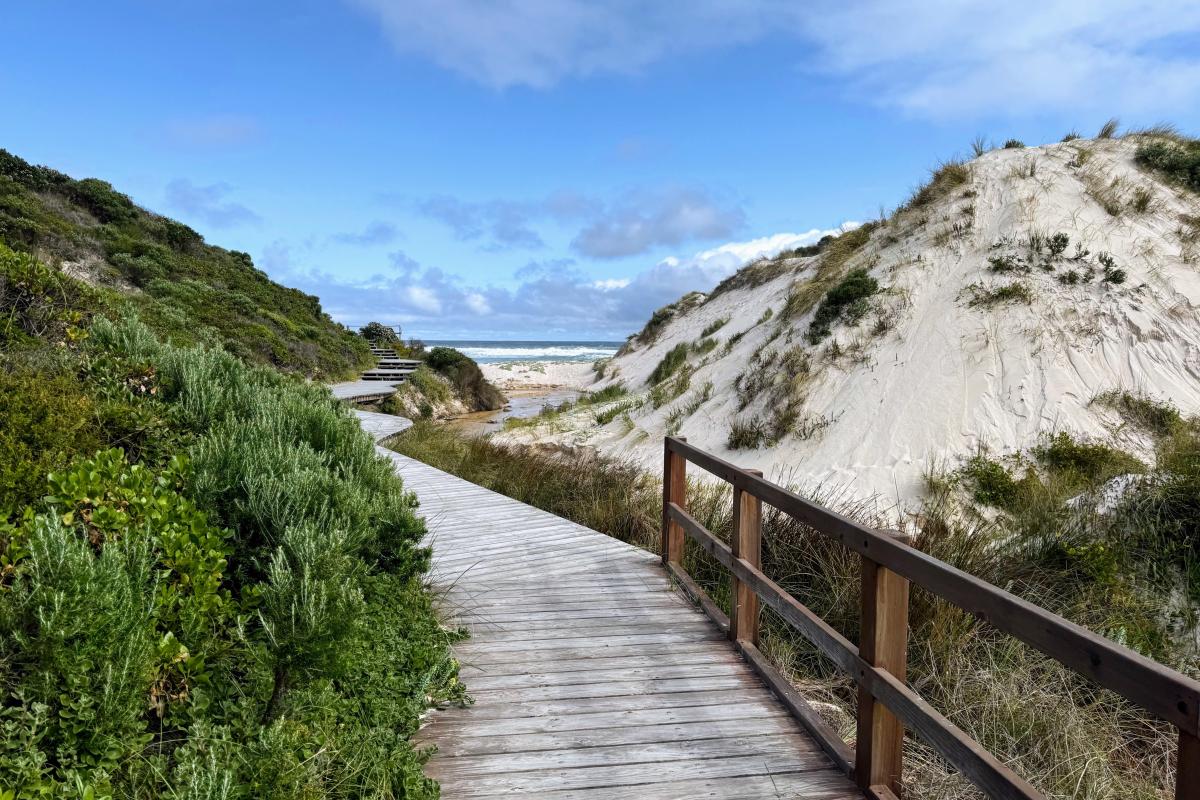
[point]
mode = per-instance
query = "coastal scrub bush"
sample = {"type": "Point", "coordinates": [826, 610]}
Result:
{"type": "Point", "coordinates": [1013, 144]}
{"type": "Point", "coordinates": [1158, 418]}
{"type": "Point", "coordinates": [212, 622]}
{"type": "Point", "coordinates": [466, 378]}
{"type": "Point", "coordinates": [379, 334]}
{"type": "Point", "coordinates": [713, 327]}
{"type": "Point", "coordinates": [846, 300]}
{"type": "Point", "coordinates": [1178, 161]}
{"type": "Point", "coordinates": [48, 419]}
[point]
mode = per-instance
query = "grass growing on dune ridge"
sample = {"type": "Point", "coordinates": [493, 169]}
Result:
{"type": "Point", "coordinates": [1063, 734]}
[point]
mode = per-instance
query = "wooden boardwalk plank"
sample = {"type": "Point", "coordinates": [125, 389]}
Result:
{"type": "Point", "coordinates": [592, 676]}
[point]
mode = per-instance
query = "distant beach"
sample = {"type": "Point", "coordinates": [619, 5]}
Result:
{"type": "Point", "coordinates": [494, 352]}
{"type": "Point", "coordinates": [530, 373]}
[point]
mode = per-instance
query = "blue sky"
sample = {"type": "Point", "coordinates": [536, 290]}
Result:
{"type": "Point", "coordinates": [556, 168]}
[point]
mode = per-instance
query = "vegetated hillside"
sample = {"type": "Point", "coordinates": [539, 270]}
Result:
{"type": "Point", "coordinates": [182, 287]}
{"type": "Point", "coordinates": [994, 307]}
{"type": "Point", "coordinates": [211, 584]}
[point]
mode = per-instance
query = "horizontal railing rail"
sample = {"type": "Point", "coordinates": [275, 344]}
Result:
{"type": "Point", "coordinates": [887, 705]}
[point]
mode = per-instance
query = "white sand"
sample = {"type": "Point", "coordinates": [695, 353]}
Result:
{"type": "Point", "coordinates": [531, 376]}
{"type": "Point", "coordinates": [946, 378]}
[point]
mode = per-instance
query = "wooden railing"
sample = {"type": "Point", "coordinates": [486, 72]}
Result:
{"type": "Point", "coordinates": [886, 704]}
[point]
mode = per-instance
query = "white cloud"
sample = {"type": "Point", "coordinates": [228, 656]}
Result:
{"type": "Point", "coordinates": [424, 299]}
{"type": "Point", "coordinates": [962, 57]}
{"type": "Point", "coordinates": [642, 221]}
{"type": "Point", "coordinates": [538, 43]}
{"type": "Point", "coordinates": [478, 303]}
{"type": "Point", "coordinates": [719, 262]}
{"type": "Point", "coordinates": [610, 284]}
{"type": "Point", "coordinates": [971, 56]}
{"type": "Point", "coordinates": [551, 298]}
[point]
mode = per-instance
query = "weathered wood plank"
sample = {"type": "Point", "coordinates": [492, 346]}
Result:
{"type": "Point", "coordinates": [592, 675]}
{"type": "Point", "coordinates": [771, 745]}
{"type": "Point", "coordinates": [640, 775]}
{"type": "Point", "coordinates": [449, 745]}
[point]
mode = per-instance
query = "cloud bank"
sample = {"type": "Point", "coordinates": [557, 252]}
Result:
{"type": "Point", "coordinates": [552, 298]}
{"type": "Point", "coordinates": [965, 57]}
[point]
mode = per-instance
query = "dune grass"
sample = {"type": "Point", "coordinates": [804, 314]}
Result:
{"type": "Point", "coordinates": [1070, 739]}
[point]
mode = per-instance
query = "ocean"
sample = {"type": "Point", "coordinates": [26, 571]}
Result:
{"type": "Point", "coordinates": [491, 352]}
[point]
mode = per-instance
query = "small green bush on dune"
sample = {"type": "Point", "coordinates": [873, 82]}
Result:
{"type": "Point", "coordinates": [845, 300]}
{"type": "Point", "coordinates": [1178, 160]}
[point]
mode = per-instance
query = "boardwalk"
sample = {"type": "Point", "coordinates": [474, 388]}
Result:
{"type": "Point", "coordinates": [592, 676]}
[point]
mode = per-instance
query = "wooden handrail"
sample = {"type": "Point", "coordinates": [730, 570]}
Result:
{"type": "Point", "coordinates": [1159, 690]}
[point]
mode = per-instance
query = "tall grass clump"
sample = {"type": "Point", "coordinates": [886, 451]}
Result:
{"type": "Point", "coordinates": [675, 358]}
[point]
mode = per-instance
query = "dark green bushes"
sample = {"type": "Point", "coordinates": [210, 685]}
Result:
{"type": "Point", "coordinates": [466, 378]}
{"type": "Point", "coordinates": [1179, 160]}
{"type": "Point", "coordinates": [205, 627]}
{"type": "Point", "coordinates": [380, 334]}
{"type": "Point", "coordinates": [847, 299]}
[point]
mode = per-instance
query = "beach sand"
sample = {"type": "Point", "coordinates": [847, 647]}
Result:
{"type": "Point", "coordinates": [532, 377]}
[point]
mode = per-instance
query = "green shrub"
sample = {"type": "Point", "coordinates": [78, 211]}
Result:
{"type": "Point", "coordinates": [466, 378]}
{"type": "Point", "coordinates": [991, 484]}
{"type": "Point", "coordinates": [379, 334]}
{"type": "Point", "coordinates": [1178, 161]}
{"type": "Point", "coordinates": [38, 303]}
{"type": "Point", "coordinates": [48, 421]}
{"type": "Point", "coordinates": [1158, 418]}
{"type": "Point", "coordinates": [675, 358]}
{"type": "Point", "coordinates": [842, 301]}
{"type": "Point", "coordinates": [1084, 462]}
{"type": "Point", "coordinates": [1014, 144]}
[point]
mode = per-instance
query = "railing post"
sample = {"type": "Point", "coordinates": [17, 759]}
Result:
{"type": "Point", "coordinates": [674, 491]}
{"type": "Point", "coordinates": [884, 644]}
{"type": "Point", "coordinates": [746, 544]}
{"type": "Point", "coordinates": [1187, 768]}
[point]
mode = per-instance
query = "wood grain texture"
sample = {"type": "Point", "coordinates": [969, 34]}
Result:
{"type": "Point", "coordinates": [884, 645]}
{"type": "Point", "coordinates": [1158, 689]}
{"type": "Point", "coordinates": [593, 676]}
